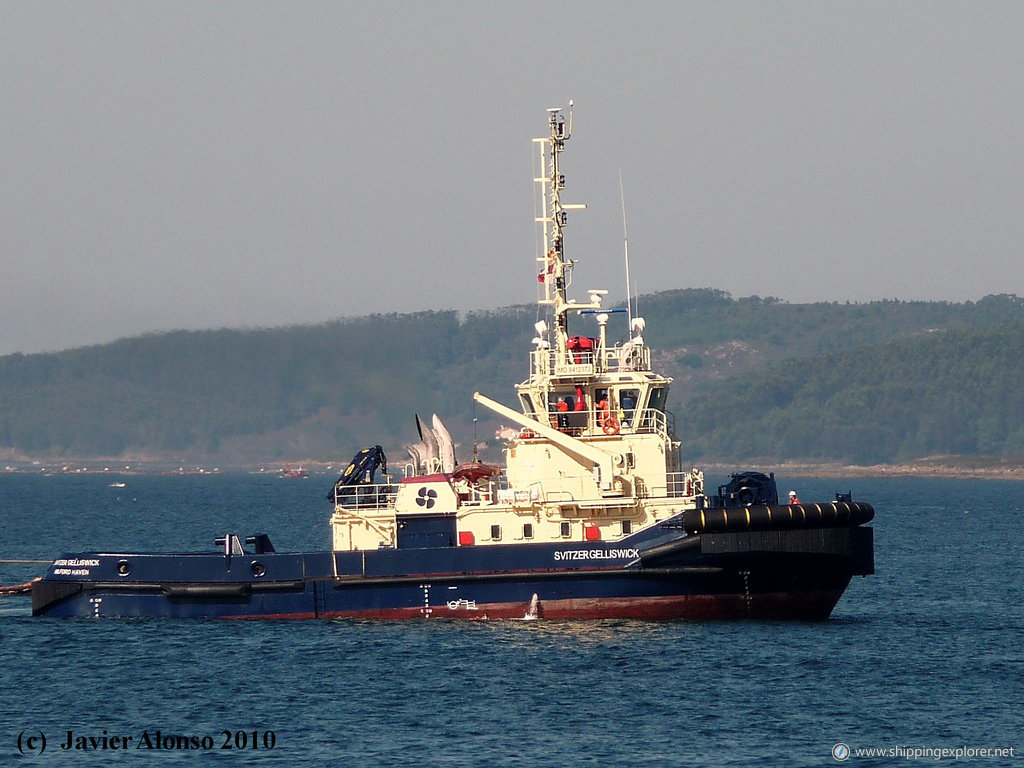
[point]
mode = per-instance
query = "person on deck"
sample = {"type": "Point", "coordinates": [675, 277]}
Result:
{"type": "Point", "coordinates": [793, 498]}
{"type": "Point", "coordinates": [562, 407]}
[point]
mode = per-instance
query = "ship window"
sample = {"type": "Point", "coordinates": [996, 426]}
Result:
{"type": "Point", "coordinates": [527, 530]}
{"type": "Point", "coordinates": [627, 404]}
{"type": "Point", "coordinates": [565, 530]}
{"type": "Point", "coordinates": [562, 403]}
{"type": "Point", "coordinates": [496, 532]}
{"type": "Point", "coordinates": [627, 527]}
{"type": "Point", "coordinates": [658, 397]}
{"type": "Point", "coordinates": [527, 404]}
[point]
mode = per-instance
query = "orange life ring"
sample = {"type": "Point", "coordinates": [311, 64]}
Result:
{"type": "Point", "coordinates": [610, 424]}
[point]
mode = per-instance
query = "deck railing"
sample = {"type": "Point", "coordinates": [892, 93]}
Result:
{"type": "Point", "coordinates": [593, 422]}
{"type": "Point", "coordinates": [369, 496]}
{"type": "Point", "coordinates": [680, 484]}
{"type": "Point", "coordinates": [547, 362]}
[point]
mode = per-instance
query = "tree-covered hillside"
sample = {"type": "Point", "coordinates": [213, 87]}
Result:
{"type": "Point", "coordinates": [889, 377]}
{"type": "Point", "coordinates": [954, 392]}
{"type": "Point", "coordinates": [311, 391]}
{"type": "Point", "coordinates": [706, 335]}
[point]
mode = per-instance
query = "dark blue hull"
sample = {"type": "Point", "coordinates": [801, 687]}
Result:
{"type": "Point", "coordinates": [775, 574]}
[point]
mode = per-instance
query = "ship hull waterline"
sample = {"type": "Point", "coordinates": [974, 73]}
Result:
{"type": "Point", "coordinates": [688, 584]}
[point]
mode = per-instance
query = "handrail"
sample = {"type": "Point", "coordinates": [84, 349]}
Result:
{"type": "Point", "coordinates": [366, 496]}
{"type": "Point", "coordinates": [680, 484]}
{"type": "Point", "coordinates": [636, 422]}
{"type": "Point", "coordinates": [547, 362]}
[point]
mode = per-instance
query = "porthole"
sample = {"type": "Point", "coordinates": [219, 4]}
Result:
{"type": "Point", "coordinates": [257, 569]}
{"type": "Point", "coordinates": [124, 568]}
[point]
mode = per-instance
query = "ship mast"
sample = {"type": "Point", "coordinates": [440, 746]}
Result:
{"type": "Point", "coordinates": [555, 271]}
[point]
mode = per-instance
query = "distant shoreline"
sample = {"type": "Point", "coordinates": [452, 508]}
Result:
{"type": "Point", "coordinates": [982, 467]}
{"type": "Point", "coordinates": [952, 467]}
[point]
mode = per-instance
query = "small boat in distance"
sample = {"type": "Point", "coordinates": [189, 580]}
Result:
{"type": "Point", "coordinates": [293, 473]}
{"type": "Point", "coordinates": [593, 514]}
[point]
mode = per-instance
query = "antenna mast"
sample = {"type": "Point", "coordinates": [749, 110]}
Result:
{"type": "Point", "coordinates": [555, 270]}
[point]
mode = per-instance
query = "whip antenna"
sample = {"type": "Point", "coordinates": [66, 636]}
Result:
{"type": "Point", "coordinates": [625, 245]}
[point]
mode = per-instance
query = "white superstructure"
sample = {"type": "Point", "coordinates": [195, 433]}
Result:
{"type": "Point", "coordinates": [595, 456]}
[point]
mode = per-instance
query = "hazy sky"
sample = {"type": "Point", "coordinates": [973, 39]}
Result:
{"type": "Point", "coordinates": [196, 165]}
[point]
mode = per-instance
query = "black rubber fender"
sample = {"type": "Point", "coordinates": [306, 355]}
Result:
{"type": "Point", "coordinates": [778, 517]}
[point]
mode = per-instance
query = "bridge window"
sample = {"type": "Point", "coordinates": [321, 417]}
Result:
{"type": "Point", "coordinates": [527, 403]}
{"type": "Point", "coordinates": [628, 403]}
{"type": "Point", "coordinates": [658, 397]}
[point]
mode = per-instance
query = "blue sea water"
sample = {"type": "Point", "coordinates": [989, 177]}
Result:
{"type": "Point", "coordinates": [926, 654]}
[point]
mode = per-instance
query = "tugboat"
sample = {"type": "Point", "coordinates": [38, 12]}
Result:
{"type": "Point", "coordinates": [592, 516]}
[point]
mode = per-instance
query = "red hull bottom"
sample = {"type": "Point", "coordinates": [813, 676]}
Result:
{"type": "Point", "coordinates": [806, 606]}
